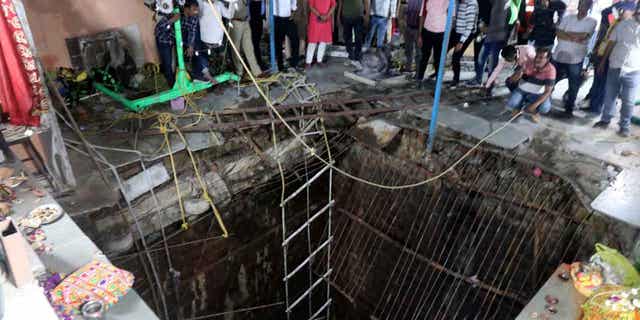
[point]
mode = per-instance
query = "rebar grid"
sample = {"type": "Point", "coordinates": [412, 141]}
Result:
{"type": "Point", "coordinates": [460, 244]}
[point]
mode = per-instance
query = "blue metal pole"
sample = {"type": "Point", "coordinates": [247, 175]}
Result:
{"type": "Point", "coordinates": [272, 38]}
{"type": "Point", "coordinates": [433, 125]}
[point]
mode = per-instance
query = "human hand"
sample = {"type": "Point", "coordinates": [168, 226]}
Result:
{"type": "Point", "coordinates": [458, 47]}
{"type": "Point", "coordinates": [190, 51]}
{"type": "Point", "coordinates": [174, 18]}
{"type": "Point", "coordinates": [419, 41]}
{"type": "Point", "coordinates": [600, 69]}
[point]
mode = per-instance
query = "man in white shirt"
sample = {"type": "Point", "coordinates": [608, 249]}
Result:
{"type": "Point", "coordinates": [285, 27]}
{"type": "Point", "coordinates": [574, 33]}
{"type": "Point", "coordinates": [210, 29]}
{"type": "Point", "coordinates": [623, 78]}
{"type": "Point", "coordinates": [381, 12]}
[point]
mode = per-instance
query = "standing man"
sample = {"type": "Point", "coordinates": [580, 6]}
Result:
{"type": "Point", "coordinates": [285, 27]}
{"type": "Point", "coordinates": [465, 33]}
{"type": "Point", "coordinates": [574, 33]}
{"type": "Point", "coordinates": [535, 85]}
{"type": "Point", "coordinates": [352, 13]}
{"type": "Point", "coordinates": [544, 21]}
{"type": "Point", "coordinates": [165, 42]}
{"type": "Point", "coordinates": [381, 12]}
{"type": "Point", "coordinates": [241, 37]}
{"type": "Point", "coordinates": [623, 79]}
{"type": "Point", "coordinates": [193, 46]}
{"type": "Point", "coordinates": [497, 32]}
{"type": "Point", "coordinates": [256, 16]}
{"type": "Point", "coordinates": [433, 19]}
{"type": "Point", "coordinates": [610, 17]}
{"type": "Point", "coordinates": [411, 31]}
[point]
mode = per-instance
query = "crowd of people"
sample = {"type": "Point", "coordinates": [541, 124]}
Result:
{"type": "Point", "coordinates": [540, 40]}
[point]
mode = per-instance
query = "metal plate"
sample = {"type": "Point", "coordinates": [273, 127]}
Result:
{"type": "Point", "coordinates": [621, 200]}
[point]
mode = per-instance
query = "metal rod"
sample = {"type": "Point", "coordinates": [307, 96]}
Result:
{"type": "Point", "coordinates": [307, 223]}
{"type": "Point", "coordinates": [433, 124]}
{"type": "Point", "coordinates": [425, 259]}
{"type": "Point", "coordinates": [303, 263]}
{"type": "Point", "coordinates": [304, 186]}
{"type": "Point", "coordinates": [325, 306]}
{"type": "Point", "coordinates": [308, 291]}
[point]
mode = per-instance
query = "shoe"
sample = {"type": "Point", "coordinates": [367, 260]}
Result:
{"type": "Point", "coordinates": [321, 64]}
{"type": "Point", "coordinates": [472, 83]}
{"type": "Point", "coordinates": [566, 115]}
{"type": "Point", "coordinates": [601, 125]}
{"type": "Point", "coordinates": [307, 66]}
{"type": "Point", "coordinates": [624, 132]}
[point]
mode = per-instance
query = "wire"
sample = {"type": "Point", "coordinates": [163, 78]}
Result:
{"type": "Point", "coordinates": [213, 315]}
{"type": "Point", "coordinates": [328, 163]}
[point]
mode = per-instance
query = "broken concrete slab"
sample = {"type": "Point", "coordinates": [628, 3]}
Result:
{"type": "Point", "coordinates": [144, 181]}
{"type": "Point", "coordinates": [360, 79]}
{"type": "Point", "coordinates": [508, 138]}
{"type": "Point", "coordinates": [379, 130]}
{"type": "Point", "coordinates": [621, 200]}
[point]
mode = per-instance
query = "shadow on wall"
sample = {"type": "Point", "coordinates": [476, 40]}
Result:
{"type": "Point", "coordinates": [54, 21]}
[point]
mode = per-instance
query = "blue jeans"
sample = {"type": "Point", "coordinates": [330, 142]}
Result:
{"type": "Point", "coordinates": [165, 53]}
{"type": "Point", "coordinates": [489, 50]}
{"type": "Point", "coordinates": [574, 73]}
{"type": "Point", "coordinates": [377, 27]}
{"type": "Point", "coordinates": [598, 88]}
{"type": "Point", "coordinates": [625, 85]}
{"type": "Point", "coordinates": [519, 99]}
{"type": "Point", "coordinates": [199, 62]}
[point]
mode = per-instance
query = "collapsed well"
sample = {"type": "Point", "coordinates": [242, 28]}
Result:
{"type": "Point", "coordinates": [475, 244]}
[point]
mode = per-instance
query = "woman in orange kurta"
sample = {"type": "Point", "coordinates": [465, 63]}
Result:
{"type": "Point", "coordinates": [319, 28]}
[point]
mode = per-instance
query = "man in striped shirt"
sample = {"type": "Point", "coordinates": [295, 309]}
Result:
{"type": "Point", "coordinates": [465, 33]}
{"type": "Point", "coordinates": [535, 85]}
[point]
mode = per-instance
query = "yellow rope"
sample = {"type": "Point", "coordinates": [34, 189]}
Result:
{"type": "Point", "coordinates": [164, 119]}
{"type": "Point", "coordinates": [203, 185]}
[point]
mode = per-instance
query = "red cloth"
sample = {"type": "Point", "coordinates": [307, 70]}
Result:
{"type": "Point", "coordinates": [320, 31]}
{"type": "Point", "coordinates": [21, 88]}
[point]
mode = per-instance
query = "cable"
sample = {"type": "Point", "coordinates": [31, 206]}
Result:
{"type": "Point", "coordinates": [213, 315]}
{"type": "Point", "coordinates": [328, 163]}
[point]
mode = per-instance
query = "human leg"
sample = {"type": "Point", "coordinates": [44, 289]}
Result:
{"type": "Point", "coordinates": [311, 49]}
{"type": "Point", "coordinates": [236, 37]}
{"type": "Point", "coordinates": [410, 39]}
{"type": "Point", "coordinates": [611, 94]}
{"type": "Point", "coordinates": [373, 25]}
{"type": "Point", "coordinates": [165, 53]}
{"type": "Point", "coordinates": [482, 62]}
{"type": "Point", "coordinates": [381, 32]}
{"type": "Point", "coordinates": [322, 46]}
{"type": "Point", "coordinates": [494, 52]}
{"type": "Point", "coordinates": [199, 62]}
{"type": "Point", "coordinates": [358, 29]}
{"type": "Point", "coordinates": [347, 34]}
{"type": "Point", "coordinates": [294, 40]}
{"type": "Point", "coordinates": [424, 54]}
{"type": "Point", "coordinates": [630, 83]}
{"type": "Point", "coordinates": [438, 38]}
{"type": "Point", "coordinates": [574, 73]}
{"type": "Point", "coordinates": [515, 100]}
{"type": "Point", "coordinates": [598, 90]}
{"type": "Point", "coordinates": [280, 26]}
{"type": "Point", "coordinates": [247, 48]}
{"type": "Point", "coordinates": [455, 59]}
{"type": "Point", "coordinates": [255, 21]}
